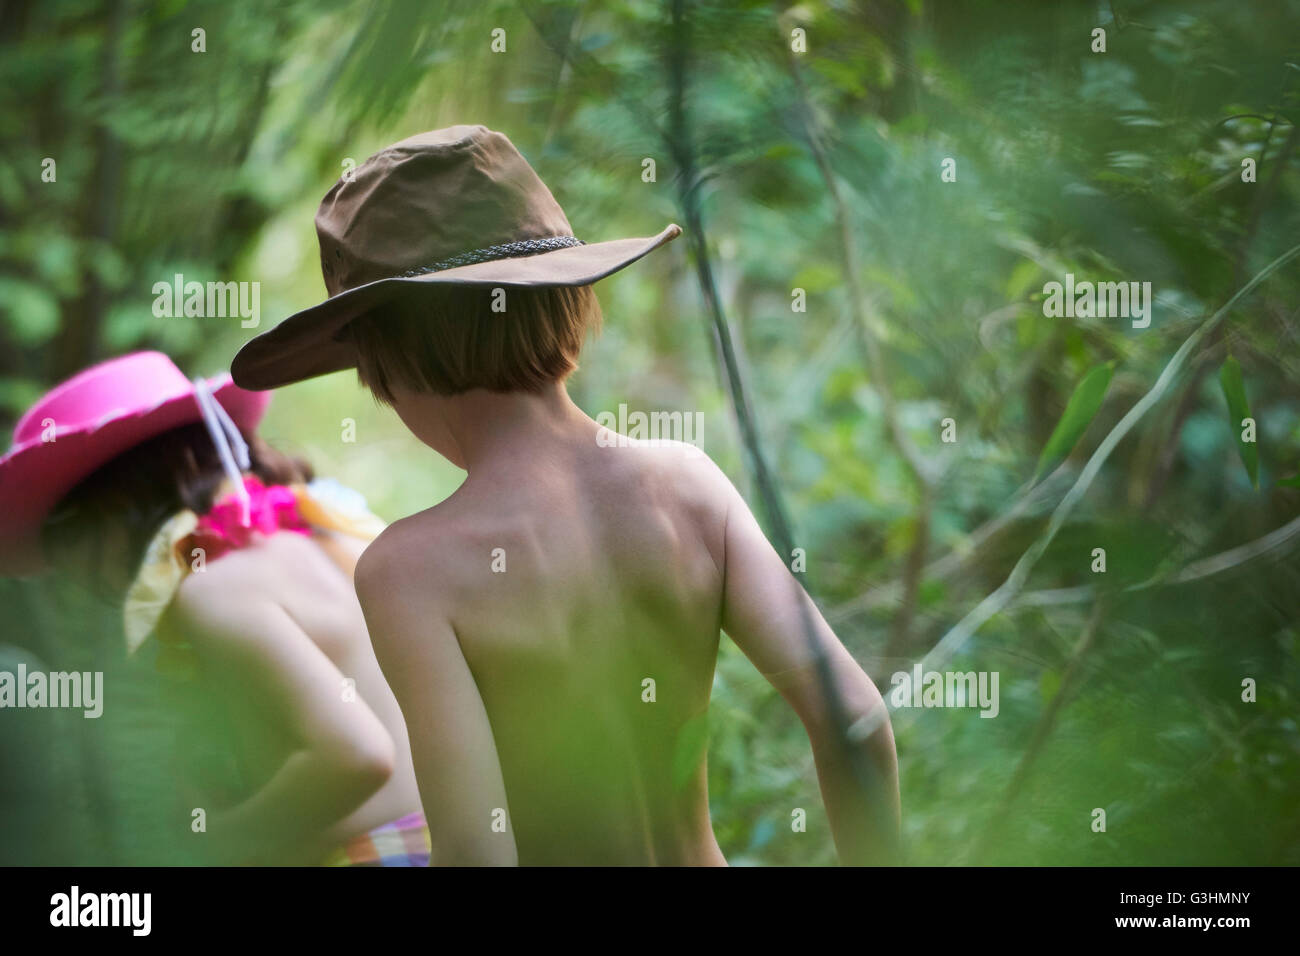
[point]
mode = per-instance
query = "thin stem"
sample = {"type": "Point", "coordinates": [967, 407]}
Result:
{"type": "Point", "coordinates": [1002, 596]}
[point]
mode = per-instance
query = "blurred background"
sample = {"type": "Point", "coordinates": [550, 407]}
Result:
{"type": "Point", "coordinates": [801, 147]}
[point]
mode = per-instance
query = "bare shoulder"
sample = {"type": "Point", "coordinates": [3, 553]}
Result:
{"type": "Point", "coordinates": [405, 563]}
{"type": "Point", "coordinates": [695, 483]}
{"type": "Point", "coordinates": [403, 582]}
{"type": "Point", "coordinates": [406, 542]}
{"type": "Point", "coordinates": [231, 597]}
{"type": "Point", "coordinates": [680, 468]}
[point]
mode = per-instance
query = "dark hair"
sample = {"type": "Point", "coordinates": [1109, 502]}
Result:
{"type": "Point", "coordinates": [452, 341]}
{"type": "Point", "coordinates": [141, 488]}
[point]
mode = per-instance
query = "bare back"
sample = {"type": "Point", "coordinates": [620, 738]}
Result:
{"type": "Point", "coordinates": [285, 656]}
{"type": "Point", "coordinates": [586, 596]}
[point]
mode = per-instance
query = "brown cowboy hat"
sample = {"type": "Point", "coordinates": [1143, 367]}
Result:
{"type": "Point", "coordinates": [455, 206]}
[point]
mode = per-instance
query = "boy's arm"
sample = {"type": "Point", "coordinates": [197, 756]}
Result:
{"type": "Point", "coordinates": [774, 622]}
{"type": "Point", "coordinates": [455, 755]}
{"type": "Point", "coordinates": [343, 753]}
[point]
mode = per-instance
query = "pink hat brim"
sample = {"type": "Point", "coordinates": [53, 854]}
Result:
{"type": "Point", "coordinates": [34, 476]}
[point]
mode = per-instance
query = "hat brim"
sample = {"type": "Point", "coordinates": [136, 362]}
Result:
{"type": "Point", "coordinates": [35, 476]}
{"type": "Point", "coordinates": [306, 344]}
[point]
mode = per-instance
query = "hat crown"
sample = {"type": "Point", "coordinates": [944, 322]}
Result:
{"type": "Point", "coordinates": [427, 199]}
{"type": "Point", "coordinates": [131, 383]}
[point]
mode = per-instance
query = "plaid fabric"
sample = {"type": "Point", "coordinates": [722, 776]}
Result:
{"type": "Point", "coordinates": [403, 842]}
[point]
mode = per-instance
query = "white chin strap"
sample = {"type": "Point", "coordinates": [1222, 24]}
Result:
{"type": "Point", "coordinates": [231, 447]}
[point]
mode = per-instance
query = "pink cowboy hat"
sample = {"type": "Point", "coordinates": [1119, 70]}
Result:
{"type": "Point", "coordinates": [86, 422]}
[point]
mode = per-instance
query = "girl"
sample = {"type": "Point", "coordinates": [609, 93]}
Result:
{"type": "Point", "coordinates": [234, 572]}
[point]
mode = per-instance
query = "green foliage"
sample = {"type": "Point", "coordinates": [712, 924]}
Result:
{"type": "Point", "coordinates": [1079, 412]}
{"type": "Point", "coordinates": [1123, 166]}
{"type": "Point", "coordinates": [1234, 392]}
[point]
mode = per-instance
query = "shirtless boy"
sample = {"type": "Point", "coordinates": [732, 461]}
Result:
{"type": "Point", "coordinates": [517, 620]}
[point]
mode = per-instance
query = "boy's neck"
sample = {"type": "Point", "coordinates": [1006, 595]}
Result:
{"type": "Point", "coordinates": [481, 430]}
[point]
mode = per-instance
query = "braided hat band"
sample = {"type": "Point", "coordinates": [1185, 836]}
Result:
{"type": "Point", "coordinates": [506, 250]}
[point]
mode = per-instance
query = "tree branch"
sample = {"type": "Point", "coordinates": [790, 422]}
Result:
{"type": "Point", "coordinates": [1007, 591]}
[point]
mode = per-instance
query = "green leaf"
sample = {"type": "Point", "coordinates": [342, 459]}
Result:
{"type": "Point", "coordinates": [1078, 414]}
{"type": "Point", "coordinates": [32, 313]}
{"type": "Point", "coordinates": [1292, 482]}
{"type": "Point", "coordinates": [692, 745]}
{"type": "Point", "coordinates": [1234, 391]}
{"type": "Point", "coordinates": [1023, 278]}
{"type": "Point", "coordinates": [1049, 684]}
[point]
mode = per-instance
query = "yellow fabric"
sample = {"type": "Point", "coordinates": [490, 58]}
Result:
{"type": "Point", "coordinates": [161, 573]}
{"type": "Point", "coordinates": [325, 505]}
